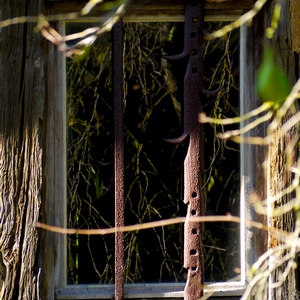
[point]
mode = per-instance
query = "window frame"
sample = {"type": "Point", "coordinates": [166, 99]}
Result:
{"type": "Point", "coordinates": [56, 186]}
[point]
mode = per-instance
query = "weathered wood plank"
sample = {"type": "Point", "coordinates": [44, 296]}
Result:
{"type": "Point", "coordinates": [141, 291]}
{"type": "Point", "coordinates": [249, 153]}
{"type": "Point", "coordinates": [295, 24]}
{"type": "Point", "coordinates": [52, 254]}
{"type": "Point", "coordinates": [168, 15]}
{"type": "Point", "coordinates": [156, 4]}
{"type": "Point", "coordinates": [21, 138]}
{"type": "Point", "coordinates": [278, 175]}
{"type": "Point", "coordinates": [230, 4]}
{"type": "Point", "coordinates": [167, 7]}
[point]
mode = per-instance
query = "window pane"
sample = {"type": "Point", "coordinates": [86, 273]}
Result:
{"type": "Point", "coordinates": [90, 161]}
{"type": "Point", "coordinates": [222, 184]}
{"type": "Point", "coordinates": [153, 167]}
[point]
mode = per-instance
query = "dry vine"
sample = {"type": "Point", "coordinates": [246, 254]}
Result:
{"type": "Point", "coordinates": [145, 210]}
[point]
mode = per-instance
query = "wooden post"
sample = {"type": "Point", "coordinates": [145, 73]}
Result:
{"type": "Point", "coordinates": [21, 141]}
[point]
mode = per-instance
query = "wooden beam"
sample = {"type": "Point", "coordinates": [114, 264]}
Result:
{"type": "Point", "coordinates": [211, 4]}
{"type": "Point", "coordinates": [225, 10]}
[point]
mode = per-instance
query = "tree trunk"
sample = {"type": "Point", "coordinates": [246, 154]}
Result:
{"type": "Point", "coordinates": [21, 102]}
{"type": "Point", "coordinates": [279, 176]}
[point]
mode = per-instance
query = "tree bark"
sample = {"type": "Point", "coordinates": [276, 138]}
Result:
{"type": "Point", "coordinates": [279, 176]}
{"type": "Point", "coordinates": [22, 100]}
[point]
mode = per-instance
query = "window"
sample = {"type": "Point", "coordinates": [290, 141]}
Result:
{"type": "Point", "coordinates": [174, 288]}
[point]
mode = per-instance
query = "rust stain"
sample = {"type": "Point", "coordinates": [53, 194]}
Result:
{"type": "Point", "coordinates": [193, 164]}
{"type": "Point", "coordinates": [119, 157]}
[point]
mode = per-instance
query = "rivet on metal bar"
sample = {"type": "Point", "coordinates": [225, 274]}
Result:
{"type": "Point", "coordinates": [119, 156]}
{"type": "Point", "coordinates": [193, 163]}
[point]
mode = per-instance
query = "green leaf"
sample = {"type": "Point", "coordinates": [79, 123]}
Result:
{"type": "Point", "coordinates": [211, 183]}
{"type": "Point", "coordinates": [272, 84]}
{"type": "Point", "coordinates": [98, 183]}
{"type": "Point", "coordinates": [99, 187]}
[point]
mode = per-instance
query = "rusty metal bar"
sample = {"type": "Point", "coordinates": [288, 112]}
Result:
{"type": "Point", "coordinates": [193, 87]}
{"type": "Point", "coordinates": [119, 156]}
{"type": "Point", "coordinates": [193, 163]}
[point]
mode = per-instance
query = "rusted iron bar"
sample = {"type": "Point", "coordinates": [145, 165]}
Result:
{"type": "Point", "coordinates": [118, 156]}
{"type": "Point", "coordinates": [193, 86]}
{"type": "Point", "coordinates": [193, 166]}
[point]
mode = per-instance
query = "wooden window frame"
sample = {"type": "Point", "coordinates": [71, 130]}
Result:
{"type": "Point", "coordinates": [56, 185]}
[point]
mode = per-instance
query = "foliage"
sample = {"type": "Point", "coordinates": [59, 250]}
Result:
{"type": "Point", "coordinates": [279, 100]}
{"type": "Point", "coordinates": [153, 168]}
{"type": "Point", "coordinates": [86, 123]}
{"type": "Point", "coordinates": [271, 83]}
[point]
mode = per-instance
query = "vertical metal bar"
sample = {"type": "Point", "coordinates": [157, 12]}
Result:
{"type": "Point", "coordinates": [119, 156]}
{"type": "Point", "coordinates": [193, 163]}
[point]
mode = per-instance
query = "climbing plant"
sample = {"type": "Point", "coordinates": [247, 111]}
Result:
{"type": "Point", "coordinates": [153, 167]}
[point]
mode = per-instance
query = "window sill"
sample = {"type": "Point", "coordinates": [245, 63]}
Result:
{"type": "Point", "coordinates": [148, 290]}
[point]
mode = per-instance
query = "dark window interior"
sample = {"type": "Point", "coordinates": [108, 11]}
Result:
{"type": "Point", "coordinates": [153, 167]}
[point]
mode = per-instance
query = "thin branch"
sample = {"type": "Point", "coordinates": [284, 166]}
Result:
{"type": "Point", "coordinates": [239, 22]}
{"type": "Point", "coordinates": [178, 220]}
{"type": "Point", "coordinates": [246, 128]}
{"type": "Point", "coordinates": [253, 113]}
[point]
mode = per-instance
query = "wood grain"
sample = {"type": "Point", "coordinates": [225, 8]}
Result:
{"type": "Point", "coordinates": [21, 138]}
{"type": "Point", "coordinates": [166, 8]}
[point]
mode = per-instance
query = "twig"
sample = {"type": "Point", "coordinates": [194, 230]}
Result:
{"type": "Point", "coordinates": [239, 22]}
{"type": "Point", "coordinates": [178, 220]}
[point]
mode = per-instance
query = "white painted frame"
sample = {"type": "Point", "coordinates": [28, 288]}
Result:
{"type": "Point", "coordinates": [160, 290]}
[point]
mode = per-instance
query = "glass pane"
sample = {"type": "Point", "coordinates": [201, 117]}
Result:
{"type": "Point", "coordinates": [153, 167]}
{"type": "Point", "coordinates": [90, 160]}
{"type": "Point", "coordinates": [221, 241]}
